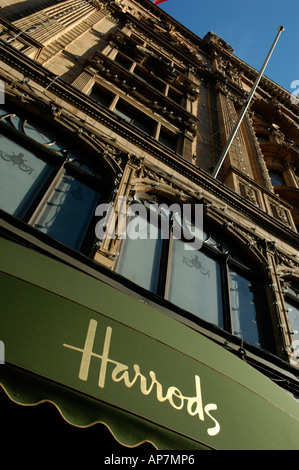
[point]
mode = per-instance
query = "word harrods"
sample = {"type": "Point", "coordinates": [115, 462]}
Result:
{"type": "Point", "coordinates": [121, 373]}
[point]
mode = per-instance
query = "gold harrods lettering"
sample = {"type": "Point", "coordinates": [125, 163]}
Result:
{"type": "Point", "coordinates": [120, 373]}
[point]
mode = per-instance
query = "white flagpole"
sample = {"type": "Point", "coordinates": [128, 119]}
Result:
{"type": "Point", "coordinates": [245, 107]}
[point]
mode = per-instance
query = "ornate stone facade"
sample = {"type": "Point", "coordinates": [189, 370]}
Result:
{"type": "Point", "coordinates": [153, 104]}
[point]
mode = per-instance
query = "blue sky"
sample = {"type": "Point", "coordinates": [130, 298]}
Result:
{"type": "Point", "coordinates": [250, 28]}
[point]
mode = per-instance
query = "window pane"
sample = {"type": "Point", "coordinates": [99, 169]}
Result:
{"type": "Point", "coordinates": [144, 75]}
{"type": "Point", "coordinates": [195, 283]}
{"type": "Point", "coordinates": [243, 308]}
{"type": "Point", "coordinates": [175, 95]}
{"type": "Point", "coordinates": [277, 178]}
{"type": "Point", "coordinates": [134, 117]}
{"type": "Point", "coordinates": [168, 139]}
{"type": "Point", "coordinates": [145, 124]}
{"type": "Point", "coordinates": [101, 95]}
{"type": "Point", "coordinates": [67, 214]}
{"type": "Point", "coordinates": [123, 61]}
{"type": "Point", "coordinates": [124, 112]}
{"type": "Point", "coordinates": [22, 176]}
{"type": "Point", "coordinates": [139, 259]}
{"type": "Point", "coordinates": [293, 312]}
{"type": "Point", "coordinates": [36, 132]}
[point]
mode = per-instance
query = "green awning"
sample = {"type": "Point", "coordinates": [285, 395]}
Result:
{"type": "Point", "coordinates": [82, 411]}
{"type": "Point", "coordinates": [121, 362]}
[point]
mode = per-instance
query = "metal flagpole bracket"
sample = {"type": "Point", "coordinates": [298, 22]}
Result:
{"type": "Point", "coordinates": [245, 107]}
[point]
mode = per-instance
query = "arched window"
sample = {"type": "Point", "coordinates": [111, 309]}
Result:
{"type": "Point", "coordinates": [46, 183]}
{"type": "Point", "coordinates": [213, 283]}
{"type": "Point", "coordinates": [277, 178]}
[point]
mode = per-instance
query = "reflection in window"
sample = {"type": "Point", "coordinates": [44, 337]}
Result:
{"type": "Point", "coordinates": [67, 213]}
{"type": "Point", "coordinates": [293, 314]}
{"type": "Point", "coordinates": [195, 283]}
{"type": "Point", "coordinates": [277, 178]}
{"type": "Point", "coordinates": [243, 309]}
{"type": "Point", "coordinates": [292, 308]}
{"type": "Point", "coordinates": [27, 172]}
{"type": "Point", "coordinates": [212, 283]}
{"type": "Point", "coordinates": [141, 253]}
{"type": "Point", "coordinates": [22, 176]}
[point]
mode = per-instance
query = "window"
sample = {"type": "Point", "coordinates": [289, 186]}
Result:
{"type": "Point", "coordinates": [277, 178]}
{"type": "Point", "coordinates": [101, 95]}
{"type": "Point", "coordinates": [135, 117]}
{"type": "Point", "coordinates": [149, 79]}
{"type": "Point", "coordinates": [175, 96]}
{"type": "Point", "coordinates": [243, 303]}
{"type": "Point", "coordinates": [292, 309]}
{"type": "Point", "coordinates": [169, 139]}
{"type": "Point", "coordinates": [67, 213]}
{"type": "Point", "coordinates": [145, 240]}
{"type": "Point", "coordinates": [212, 283]}
{"type": "Point", "coordinates": [22, 176]}
{"type": "Point", "coordinates": [262, 138]}
{"type": "Point", "coordinates": [201, 272]}
{"type": "Point", "coordinates": [45, 184]}
{"type": "Point", "coordinates": [123, 61]}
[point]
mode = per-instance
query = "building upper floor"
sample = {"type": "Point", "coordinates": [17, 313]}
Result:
{"type": "Point", "coordinates": [184, 92]}
{"type": "Point", "coordinates": [110, 100]}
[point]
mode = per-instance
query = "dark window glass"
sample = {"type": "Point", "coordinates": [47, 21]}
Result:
{"type": "Point", "coordinates": [68, 211]}
{"type": "Point", "coordinates": [243, 307]}
{"type": "Point", "coordinates": [150, 79]}
{"type": "Point", "coordinates": [175, 96]}
{"type": "Point", "coordinates": [135, 117]}
{"type": "Point", "coordinates": [101, 95]}
{"type": "Point", "coordinates": [168, 139]}
{"type": "Point", "coordinates": [277, 178]}
{"type": "Point", "coordinates": [262, 138]}
{"type": "Point", "coordinates": [123, 61]}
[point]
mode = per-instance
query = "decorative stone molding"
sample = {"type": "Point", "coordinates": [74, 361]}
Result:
{"type": "Point", "coordinates": [212, 38]}
{"type": "Point", "coordinates": [147, 183]}
{"type": "Point", "coordinates": [249, 192]}
{"type": "Point", "coordinates": [287, 264]}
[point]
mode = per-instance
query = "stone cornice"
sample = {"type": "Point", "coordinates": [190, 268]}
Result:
{"type": "Point", "coordinates": [212, 42]}
{"type": "Point", "coordinates": [166, 43]}
{"type": "Point", "coordinates": [159, 13]}
{"type": "Point", "coordinates": [266, 84]}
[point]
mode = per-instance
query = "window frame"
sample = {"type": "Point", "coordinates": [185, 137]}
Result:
{"type": "Point", "coordinates": [97, 90]}
{"type": "Point", "coordinates": [130, 117]}
{"type": "Point", "coordinates": [226, 260]}
{"type": "Point", "coordinates": [62, 165]}
{"type": "Point", "coordinates": [277, 177]}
